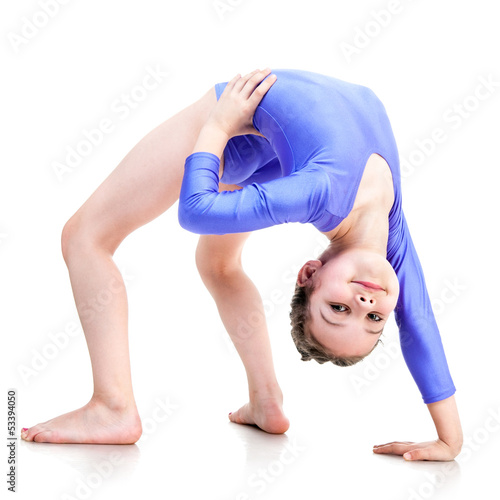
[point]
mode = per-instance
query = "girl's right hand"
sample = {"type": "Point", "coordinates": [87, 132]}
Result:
{"type": "Point", "coordinates": [236, 106]}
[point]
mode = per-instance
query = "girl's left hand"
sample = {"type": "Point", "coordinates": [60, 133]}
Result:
{"type": "Point", "coordinates": [429, 450]}
{"type": "Point", "coordinates": [233, 113]}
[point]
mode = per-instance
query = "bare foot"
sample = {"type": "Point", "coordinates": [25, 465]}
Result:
{"type": "Point", "coordinates": [94, 423]}
{"type": "Point", "coordinates": [265, 413]}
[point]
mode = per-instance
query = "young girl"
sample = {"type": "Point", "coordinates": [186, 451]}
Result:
{"type": "Point", "coordinates": [260, 150]}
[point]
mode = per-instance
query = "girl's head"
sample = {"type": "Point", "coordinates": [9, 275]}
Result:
{"type": "Point", "coordinates": [341, 305]}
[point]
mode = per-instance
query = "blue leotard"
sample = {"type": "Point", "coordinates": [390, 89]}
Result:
{"type": "Point", "coordinates": [319, 133]}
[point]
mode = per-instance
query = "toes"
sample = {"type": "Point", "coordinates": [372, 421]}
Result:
{"type": "Point", "coordinates": [234, 417]}
{"type": "Point", "coordinates": [44, 437]}
{"type": "Point", "coordinates": [32, 433]}
{"type": "Point", "coordinates": [238, 418]}
{"type": "Point", "coordinates": [28, 434]}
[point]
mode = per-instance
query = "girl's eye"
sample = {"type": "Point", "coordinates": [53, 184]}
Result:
{"type": "Point", "coordinates": [374, 317]}
{"type": "Point", "coordinates": [339, 307]}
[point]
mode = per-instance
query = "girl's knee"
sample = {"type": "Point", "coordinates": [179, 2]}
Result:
{"type": "Point", "coordinates": [72, 236]}
{"type": "Point", "coordinates": [80, 235]}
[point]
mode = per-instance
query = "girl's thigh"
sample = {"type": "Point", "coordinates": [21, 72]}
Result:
{"type": "Point", "coordinates": [148, 179]}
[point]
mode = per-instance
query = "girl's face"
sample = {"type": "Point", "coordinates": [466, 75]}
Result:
{"type": "Point", "coordinates": [354, 294]}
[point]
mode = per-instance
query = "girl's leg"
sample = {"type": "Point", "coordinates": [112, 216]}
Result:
{"type": "Point", "coordinates": [145, 184]}
{"type": "Point", "coordinates": [218, 258]}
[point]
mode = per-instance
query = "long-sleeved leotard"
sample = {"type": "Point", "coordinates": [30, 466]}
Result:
{"type": "Point", "coordinates": [319, 133]}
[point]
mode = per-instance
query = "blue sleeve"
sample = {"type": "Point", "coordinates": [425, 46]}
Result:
{"type": "Point", "coordinates": [299, 197]}
{"type": "Point", "coordinates": [419, 334]}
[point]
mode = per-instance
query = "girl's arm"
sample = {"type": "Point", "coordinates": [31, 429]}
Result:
{"type": "Point", "coordinates": [299, 197]}
{"type": "Point", "coordinates": [424, 354]}
{"type": "Point", "coordinates": [420, 340]}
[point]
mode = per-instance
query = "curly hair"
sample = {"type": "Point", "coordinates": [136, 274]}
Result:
{"type": "Point", "coordinates": [306, 344]}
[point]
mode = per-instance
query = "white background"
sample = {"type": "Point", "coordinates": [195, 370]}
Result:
{"type": "Point", "coordinates": [424, 63]}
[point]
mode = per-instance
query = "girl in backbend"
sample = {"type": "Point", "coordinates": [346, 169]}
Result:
{"type": "Point", "coordinates": [263, 149]}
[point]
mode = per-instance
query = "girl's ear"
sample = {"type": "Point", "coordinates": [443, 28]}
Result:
{"type": "Point", "coordinates": [307, 270]}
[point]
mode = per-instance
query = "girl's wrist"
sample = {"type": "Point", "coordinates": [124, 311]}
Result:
{"type": "Point", "coordinates": [212, 138]}
{"type": "Point", "coordinates": [454, 442]}
{"type": "Point", "coordinates": [214, 127]}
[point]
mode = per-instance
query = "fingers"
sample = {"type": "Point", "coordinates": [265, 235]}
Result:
{"type": "Point", "coordinates": [249, 75]}
{"type": "Point", "coordinates": [394, 442]}
{"type": "Point", "coordinates": [261, 90]}
{"type": "Point", "coordinates": [394, 448]}
{"type": "Point", "coordinates": [429, 450]}
{"type": "Point", "coordinates": [231, 83]}
{"type": "Point", "coordinates": [238, 81]}
{"type": "Point", "coordinates": [251, 82]}
{"type": "Point", "coordinates": [252, 78]}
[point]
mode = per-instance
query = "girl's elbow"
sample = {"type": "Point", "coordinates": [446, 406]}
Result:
{"type": "Point", "coordinates": [190, 219]}
{"type": "Point", "coordinates": [198, 221]}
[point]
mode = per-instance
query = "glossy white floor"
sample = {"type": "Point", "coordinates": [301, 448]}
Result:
{"type": "Point", "coordinates": [320, 457]}
{"type": "Point", "coordinates": [71, 73]}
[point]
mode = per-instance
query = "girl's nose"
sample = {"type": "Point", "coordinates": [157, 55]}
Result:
{"type": "Point", "coordinates": [365, 299]}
